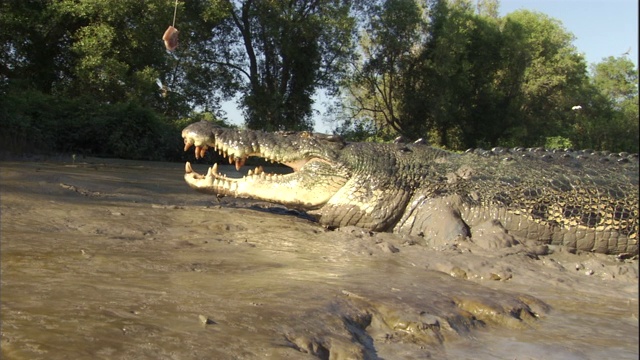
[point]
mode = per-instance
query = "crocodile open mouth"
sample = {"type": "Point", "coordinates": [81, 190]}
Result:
{"type": "Point", "coordinates": [303, 175]}
{"type": "Point", "coordinates": [302, 183]}
{"type": "Point", "coordinates": [278, 172]}
{"type": "Point", "coordinates": [239, 157]}
{"type": "Point", "coordinates": [215, 177]}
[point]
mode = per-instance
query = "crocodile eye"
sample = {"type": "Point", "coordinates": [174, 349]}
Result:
{"type": "Point", "coordinates": [335, 138]}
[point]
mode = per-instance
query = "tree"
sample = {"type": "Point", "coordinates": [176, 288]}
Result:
{"type": "Point", "coordinates": [278, 53]}
{"type": "Point", "coordinates": [469, 78]}
{"type": "Point", "coordinates": [275, 53]}
{"type": "Point", "coordinates": [34, 46]}
{"type": "Point", "coordinates": [110, 51]}
{"type": "Point", "coordinates": [617, 79]}
{"type": "Point", "coordinates": [374, 89]}
{"type": "Point", "coordinates": [454, 91]}
{"type": "Point", "coordinates": [489, 8]}
{"type": "Point", "coordinates": [553, 78]}
{"type": "Point", "coordinates": [609, 120]}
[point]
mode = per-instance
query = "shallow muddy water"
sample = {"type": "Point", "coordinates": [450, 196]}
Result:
{"type": "Point", "coordinates": [113, 259]}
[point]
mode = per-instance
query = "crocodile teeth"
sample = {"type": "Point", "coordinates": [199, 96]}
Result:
{"type": "Point", "coordinates": [187, 168]}
{"type": "Point", "coordinates": [209, 179]}
{"type": "Point", "coordinates": [240, 163]}
{"type": "Point", "coordinates": [201, 151]}
{"type": "Point", "coordinates": [256, 171]}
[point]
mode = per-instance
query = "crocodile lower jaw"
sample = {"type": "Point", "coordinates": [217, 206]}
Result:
{"type": "Point", "coordinates": [298, 189]}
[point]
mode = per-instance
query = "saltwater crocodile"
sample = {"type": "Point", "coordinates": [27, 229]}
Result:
{"type": "Point", "coordinates": [580, 199]}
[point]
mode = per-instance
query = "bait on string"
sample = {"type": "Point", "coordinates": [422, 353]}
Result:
{"type": "Point", "coordinates": [170, 36]}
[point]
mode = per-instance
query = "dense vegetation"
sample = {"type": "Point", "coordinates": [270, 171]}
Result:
{"type": "Point", "coordinates": [92, 76]}
{"type": "Point", "coordinates": [464, 77]}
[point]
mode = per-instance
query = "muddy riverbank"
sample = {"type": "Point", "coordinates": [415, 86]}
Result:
{"type": "Point", "coordinates": [114, 259]}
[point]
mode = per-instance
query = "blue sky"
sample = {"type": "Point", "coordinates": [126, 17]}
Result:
{"type": "Point", "coordinates": [602, 28]}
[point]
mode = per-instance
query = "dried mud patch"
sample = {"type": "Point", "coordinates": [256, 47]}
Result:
{"type": "Point", "coordinates": [120, 259]}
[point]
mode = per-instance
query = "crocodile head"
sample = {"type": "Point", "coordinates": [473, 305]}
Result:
{"type": "Point", "coordinates": [340, 183]}
{"type": "Point", "coordinates": [315, 176]}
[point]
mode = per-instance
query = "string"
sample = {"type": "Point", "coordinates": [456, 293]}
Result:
{"type": "Point", "coordinates": [175, 11]}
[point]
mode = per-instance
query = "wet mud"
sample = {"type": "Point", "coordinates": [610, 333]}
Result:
{"type": "Point", "coordinates": [114, 259]}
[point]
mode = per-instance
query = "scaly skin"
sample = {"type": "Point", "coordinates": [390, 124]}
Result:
{"type": "Point", "coordinates": [575, 199]}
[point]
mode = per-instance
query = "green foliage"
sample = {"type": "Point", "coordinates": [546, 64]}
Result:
{"type": "Point", "coordinates": [608, 118]}
{"type": "Point", "coordinates": [282, 52]}
{"type": "Point", "coordinates": [375, 86]}
{"type": "Point", "coordinates": [35, 122]}
{"type": "Point", "coordinates": [553, 78]}
{"type": "Point", "coordinates": [92, 76]}
{"type": "Point", "coordinates": [109, 50]}
{"type": "Point", "coordinates": [455, 87]}
{"type": "Point", "coordinates": [558, 142]}
{"type": "Point", "coordinates": [617, 79]}
{"type": "Point", "coordinates": [465, 77]}
{"type": "Point", "coordinates": [361, 131]}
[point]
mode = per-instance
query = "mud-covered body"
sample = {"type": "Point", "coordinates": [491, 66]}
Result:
{"type": "Point", "coordinates": [582, 200]}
